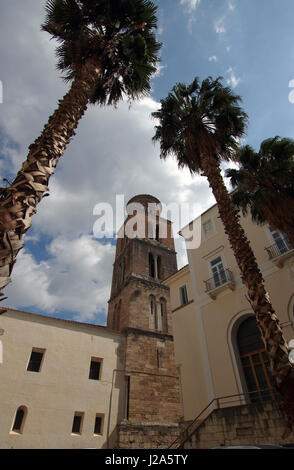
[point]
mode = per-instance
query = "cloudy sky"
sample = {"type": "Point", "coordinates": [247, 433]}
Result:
{"type": "Point", "coordinates": [64, 270]}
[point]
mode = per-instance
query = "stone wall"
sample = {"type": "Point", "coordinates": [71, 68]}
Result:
{"type": "Point", "coordinates": [146, 435]}
{"type": "Point", "coordinates": [257, 423]}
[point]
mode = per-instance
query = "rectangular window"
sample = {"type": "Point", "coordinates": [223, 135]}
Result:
{"type": "Point", "coordinates": [218, 271]}
{"type": "Point", "coordinates": [77, 422]}
{"type": "Point", "coordinates": [207, 227]}
{"type": "Point", "coordinates": [36, 360]}
{"type": "Point", "coordinates": [183, 295]}
{"type": "Point", "coordinates": [98, 428]}
{"type": "Point", "coordinates": [281, 240]}
{"type": "Point", "coordinates": [95, 368]}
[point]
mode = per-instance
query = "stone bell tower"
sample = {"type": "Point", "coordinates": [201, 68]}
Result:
{"type": "Point", "coordinates": [139, 308]}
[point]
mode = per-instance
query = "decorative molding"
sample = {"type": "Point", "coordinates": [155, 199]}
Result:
{"type": "Point", "coordinates": [154, 334]}
{"type": "Point", "coordinates": [183, 305]}
{"type": "Point", "coordinates": [214, 252]}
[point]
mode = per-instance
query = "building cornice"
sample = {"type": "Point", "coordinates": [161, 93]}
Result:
{"type": "Point", "coordinates": [138, 278]}
{"type": "Point", "coordinates": [155, 334]}
{"type": "Point", "coordinates": [65, 321]}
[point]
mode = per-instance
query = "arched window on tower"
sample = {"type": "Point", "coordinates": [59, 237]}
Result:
{"type": "Point", "coordinates": [158, 260]}
{"type": "Point", "coordinates": [116, 317]}
{"type": "Point", "coordinates": [157, 231]}
{"type": "Point", "coordinates": [163, 314]}
{"type": "Point", "coordinates": [254, 361]}
{"type": "Point", "coordinates": [118, 276]}
{"type": "Point", "coordinates": [123, 270]}
{"type": "Point", "coordinates": [153, 323]}
{"type": "Point", "coordinates": [151, 265]}
{"type": "Point", "coordinates": [151, 230]}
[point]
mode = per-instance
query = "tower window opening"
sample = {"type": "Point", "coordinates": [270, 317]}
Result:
{"type": "Point", "coordinates": [153, 310]}
{"type": "Point", "coordinates": [163, 314]}
{"type": "Point", "coordinates": [151, 265]}
{"type": "Point", "coordinates": [159, 276]}
{"type": "Point", "coordinates": [157, 232]}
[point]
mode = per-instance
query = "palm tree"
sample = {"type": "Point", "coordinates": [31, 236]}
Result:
{"type": "Point", "coordinates": [264, 184]}
{"type": "Point", "coordinates": [200, 124]}
{"type": "Point", "coordinates": [108, 50]}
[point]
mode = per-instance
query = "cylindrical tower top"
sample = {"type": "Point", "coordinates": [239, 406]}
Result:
{"type": "Point", "coordinates": [147, 201]}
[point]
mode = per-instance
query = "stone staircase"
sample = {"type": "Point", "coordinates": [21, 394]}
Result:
{"type": "Point", "coordinates": [234, 420]}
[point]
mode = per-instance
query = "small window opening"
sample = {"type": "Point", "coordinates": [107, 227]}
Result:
{"type": "Point", "coordinates": [77, 423]}
{"type": "Point", "coordinates": [98, 424]}
{"type": "Point", "coordinates": [95, 368]}
{"type": "Point", "coordinates": [36, 360]}
{"type": "Point", "coordinates": [183, 295]}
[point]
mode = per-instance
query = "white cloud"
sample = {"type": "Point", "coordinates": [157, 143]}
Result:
{"type": "Point", "coordinates": [190, 5]}
{"type": "Point", "coordinates": [219, 26]}
{"type": "Point", "coordinates": [212, 58]}
{"type": "Point", "coordinates": [231, 5]}
{"type": "Point", "coordinates": [75, 278]}
{"type": "Point", "coordinates": [233, 80]}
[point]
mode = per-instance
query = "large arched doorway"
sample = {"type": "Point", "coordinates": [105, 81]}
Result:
{"type": "Point", "coordinates": [254, 361]}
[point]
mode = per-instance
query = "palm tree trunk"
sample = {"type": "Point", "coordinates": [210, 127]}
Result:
{"type": "Point", "coordinates": [18, 203]}
{"type": "Point", "coordinates": [275, 344]}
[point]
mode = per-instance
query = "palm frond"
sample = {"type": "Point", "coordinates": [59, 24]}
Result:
{"type": "Point", "coordinates": [118, 34]}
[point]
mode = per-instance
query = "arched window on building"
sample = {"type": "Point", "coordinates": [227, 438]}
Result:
{"type": "Point", "coordinates": [153, 313]}
{"type": "Point", "coordinates": [151, 265]}
{"type": "Point", "coordinates": [19, 420]}
{"type": "Point", "coordinates": [254, 360]}
{"type": "Point", "coordinates": [163, 314]}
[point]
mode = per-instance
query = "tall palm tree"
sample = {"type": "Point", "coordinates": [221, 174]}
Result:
{"type": "Point", "coordinates": [200, 124]}
{"type": "Point", "coordinates": [264, 184]}
{"type": "Point", "coordinates": [108, 50]}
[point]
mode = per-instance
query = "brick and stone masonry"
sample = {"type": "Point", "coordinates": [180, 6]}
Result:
{"type": "Point", "coordinates": [139, 307]}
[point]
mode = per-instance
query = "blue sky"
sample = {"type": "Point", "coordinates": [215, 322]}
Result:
{"type": "Point", "coordinates": [64, 270]}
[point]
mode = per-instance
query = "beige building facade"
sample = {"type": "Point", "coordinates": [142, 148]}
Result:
{"type": "Point", "coordinates": [60, 383]}
{"type": "Point", "coordinates": [217, 345]}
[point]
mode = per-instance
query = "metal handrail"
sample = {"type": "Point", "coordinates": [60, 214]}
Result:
{"type": "Point", "coordinates": [225, 276]}
{"type": "Point", "coordinates": [186, 434]}
{"type": "Point", "coordinates": [275, 250]}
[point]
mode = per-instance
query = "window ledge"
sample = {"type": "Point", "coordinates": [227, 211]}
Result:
{"type": "Point", "coordinates": [280, 259]}
{"type": "Point", "coordinates": [230, 286]}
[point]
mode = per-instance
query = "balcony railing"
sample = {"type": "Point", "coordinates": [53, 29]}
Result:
{"type": "Point", "coordinates": [218, 282]}
{"type": "Point", "coordinates": [279, 251]}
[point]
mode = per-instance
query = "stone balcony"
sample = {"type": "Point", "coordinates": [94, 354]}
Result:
{"type": "Point", "coordinates": [279, 252]}
{"type": "Point", "coordinates": [221, 282]}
